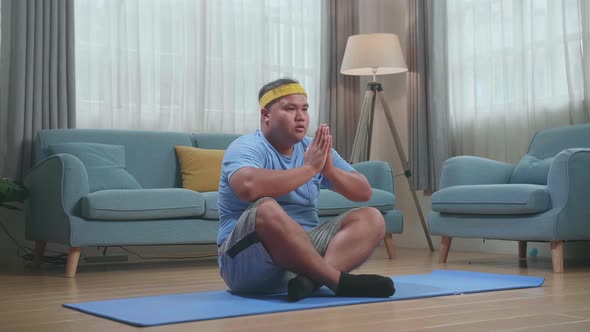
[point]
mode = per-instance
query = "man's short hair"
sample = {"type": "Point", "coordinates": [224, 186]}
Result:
{"type": "Point", "coordinates": [272, 85]}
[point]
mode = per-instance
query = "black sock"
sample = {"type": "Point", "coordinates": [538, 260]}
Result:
{"type": "Point", "coordinates": [364, 285]}
{"type": "Point", "coordinates": [301, 287]}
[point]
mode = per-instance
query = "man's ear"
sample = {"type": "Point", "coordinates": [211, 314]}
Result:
{"type": "Point", "coordinates": [265, 115]}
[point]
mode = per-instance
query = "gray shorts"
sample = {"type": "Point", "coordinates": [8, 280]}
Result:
{"type": "Point", "coordinates": [247, 267]}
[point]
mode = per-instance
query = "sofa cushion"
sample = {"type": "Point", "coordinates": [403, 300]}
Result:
{"type": "Point", "coordinates": [331, 203]}
{"type": "Point", "coordinates": [492, 199]}
{"type": "Point", "coordinates": [531, 170]}
{"type": "Point", "coordinates": [104, 163]}
{"type": "Point", "coordinates": [211, 210]}
{"type": "Point", "coordinates": [146, 152]}
{"type": "Point", "coordinates": [142, 204]}
{"type": "Point", "coordinates": [200, 168]}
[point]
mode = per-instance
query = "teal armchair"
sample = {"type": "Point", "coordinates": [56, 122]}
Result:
{"type": "Point", "coordinates": [543, 198]}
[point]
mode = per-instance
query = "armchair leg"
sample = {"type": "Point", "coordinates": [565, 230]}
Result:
{"type": "Point", "coordinates": [445, 245]}
{"type": "Point", "coordinates": [72, 263]}
{"type": "Point", "coordinates": [389, 245]}
{"type": "Point", "coordinates": [522, 250]}
{"type": "Point", "coordinates": [557, 256]}
{"type": "Point", "coordinates": [39, 251]}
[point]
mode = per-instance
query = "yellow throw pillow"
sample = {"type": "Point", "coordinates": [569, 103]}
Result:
{"type": "Point", "coordinates": [200, 168]}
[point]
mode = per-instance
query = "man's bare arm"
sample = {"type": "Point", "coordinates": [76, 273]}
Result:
{"type": "Point", "coordinates": [251, 183]}
{"type": "Point", "coordinates": [352, 185]}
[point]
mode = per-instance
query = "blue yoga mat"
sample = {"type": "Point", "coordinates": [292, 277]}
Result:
{"type": "Point", "coordinates": [188, 307]}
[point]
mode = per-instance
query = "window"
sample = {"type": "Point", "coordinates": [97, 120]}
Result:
{"type": "Point", "coordinates": [508, 52]}
{"type": "Point", "coordinates": [187, 65]}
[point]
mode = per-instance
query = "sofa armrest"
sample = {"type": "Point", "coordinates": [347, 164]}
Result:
{"type": "Point", "coordinates": [55, 187]}
{"type": "Point", "coordinates": [468, 170]}
{"type": "Point", "coordinates": [378, 173]}
{"type": "Point", "coordinates": [569, 185]}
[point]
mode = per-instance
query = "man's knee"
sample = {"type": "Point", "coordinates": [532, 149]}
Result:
{"type": "Point", "coordinates": [378, 221]}
{"type": "Point", "coordinates": [266, 212]}
{"type": "Point", "coordinates": [373, 220]}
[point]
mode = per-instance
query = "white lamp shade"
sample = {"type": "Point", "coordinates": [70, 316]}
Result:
{"type": "Point", "coordinates": [373, 54]}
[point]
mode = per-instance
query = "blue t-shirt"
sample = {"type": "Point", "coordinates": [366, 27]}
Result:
{"type": "Point", "coordinates": [254, 150]}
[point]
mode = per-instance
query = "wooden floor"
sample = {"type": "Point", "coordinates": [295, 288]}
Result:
{"type": "Point", "coordinates": [31, 300]}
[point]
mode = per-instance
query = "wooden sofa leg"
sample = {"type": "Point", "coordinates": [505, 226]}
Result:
{"type": "Point", "coordinates": [445, 245]}
{"type": "Point", "coordinates": [522, 250]}
{"type": "Point", "coordinates": [557, 256]}
{"type": "Point", "coordinates": [389, 245]}
{"type": "Point", "coordinates": [39, 252]}
{"type": "Point", "coordinates": [72, 263]}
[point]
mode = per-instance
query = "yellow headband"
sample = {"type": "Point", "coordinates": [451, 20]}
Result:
{"type": "Point", "coordinates": [281, 91]}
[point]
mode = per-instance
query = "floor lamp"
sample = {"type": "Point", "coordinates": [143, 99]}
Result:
{"type": "Point", "coordinates": [377, 54]}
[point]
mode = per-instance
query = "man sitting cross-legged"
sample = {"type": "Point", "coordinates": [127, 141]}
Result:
{"type": "Point", "coordinates": [269, 239]}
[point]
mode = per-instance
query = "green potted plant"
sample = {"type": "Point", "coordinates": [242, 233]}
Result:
{"type": "Point", "coordinates": [11, 191]}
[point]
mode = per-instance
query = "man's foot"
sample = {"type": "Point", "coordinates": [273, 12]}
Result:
{"type": "Point", "coordinates": [300, 287]}
{"type": "Point", "coordinates": [364, 285]}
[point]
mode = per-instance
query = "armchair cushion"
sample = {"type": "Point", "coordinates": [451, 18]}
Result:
{"type": "Point", "coordinates": [142, 204]}
{"type": "Point", "coordinates": [470, 170]}
{"type": "Point", "coordinates": [531, 170]}
{"type": "Point", "coordinates": [492, 199]}
{"type": "Point", "coordinates": [331, 203]}
{"type": "Point", "coordinates": [104, 163]}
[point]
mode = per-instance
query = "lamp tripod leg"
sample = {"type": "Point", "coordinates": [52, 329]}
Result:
{"type": "Point", "coordinates": [404, 162]}
{"type": "Point", "coordinates": [362, 130]}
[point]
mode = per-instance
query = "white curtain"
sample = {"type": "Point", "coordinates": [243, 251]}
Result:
{"type": "Point", "coordinates": [188, 65]}
{"type": "Point", "coordinates": [513, 67]}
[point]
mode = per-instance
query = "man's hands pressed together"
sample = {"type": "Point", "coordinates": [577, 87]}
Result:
{"type": "Point", "coordinates": [351, 185]}
{"type": "Point", "coordinates": [319, 153]}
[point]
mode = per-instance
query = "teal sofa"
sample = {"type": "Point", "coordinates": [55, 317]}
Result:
{"type": "Point", "coordinates": [545, 197]}
{"type": "Point", "coordinates": [123, 188]}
